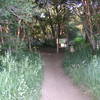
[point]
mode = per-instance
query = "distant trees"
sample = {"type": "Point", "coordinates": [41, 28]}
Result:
{"type": "Point", "coordinates": [17, 18]}
{"type": "Point", "coordinates": [91, 21]}
{"type": "Point", "coordinates": [57, 17]}
{"type": "Point", "coordinates": [89, 13]}
{"type": "Point", "coordinates": [49, 19]}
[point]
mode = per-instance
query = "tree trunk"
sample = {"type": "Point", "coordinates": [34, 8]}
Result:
{"type": "Point", "coordinates": [51, 23]}
{"type": "Point", "coordinates": [58, 29]}
{"type": "Point", "coordinates": [88, 22]}
{"type": "Point", "coordinates": [18, 31]}
{"type": "Point", "coordinates": [29, 43]}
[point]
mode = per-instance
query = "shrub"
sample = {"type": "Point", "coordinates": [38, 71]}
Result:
{"type": "Point", "coordinates": [84, 68]}
{"type": "Point", "coordinates": [50, 43]}
{"type": "Point", "coordinates": [14, 43]}
{"type": "Point", "coordinates": [20, 79]}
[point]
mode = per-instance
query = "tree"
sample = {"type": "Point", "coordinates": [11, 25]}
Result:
{"type": "Point", "coordinates": [58, 16]}
{"type": "Point", "coordinates": [89, 13]}
{"type": "Point", "coordinates": [18, 14]}
{"type": "Point", "coordinates": [90, 22]}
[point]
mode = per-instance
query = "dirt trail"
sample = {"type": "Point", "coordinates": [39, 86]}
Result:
{"type": "Point", "coordinates": [56, 85]}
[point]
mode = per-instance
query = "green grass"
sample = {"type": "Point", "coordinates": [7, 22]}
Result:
{"type": "Point", "coordinates": [20, 77]}
{"type": "Point", "coordinates": [84, 69]}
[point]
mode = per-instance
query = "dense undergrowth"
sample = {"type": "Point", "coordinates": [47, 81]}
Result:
{"type": "Point", "coordinates": [84, 68]}
{"type": "Point", "coordinates": [20, 76]}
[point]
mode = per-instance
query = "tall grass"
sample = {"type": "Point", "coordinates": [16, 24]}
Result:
{"type": "Point", "coordinates": [20, 77]}
{"type": "Point", "coordinates": [84, 68]}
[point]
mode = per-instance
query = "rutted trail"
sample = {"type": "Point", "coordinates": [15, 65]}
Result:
{"type": "Point", "coordinates": [56, 85]}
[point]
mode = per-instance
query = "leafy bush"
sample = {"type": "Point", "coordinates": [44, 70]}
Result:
{"type": "Point", "coordinates": [13, 43]}
{"type": "Point", "coordinates": [20, 79]}
{"type": "Point", "coordinates": [73, 32]}
{"type": "Point", "coordinates": [50, 43]}
{"type": "Point", "coordinates": [79, 40]}
{"type": "Point", "coordinates": [84, 68]}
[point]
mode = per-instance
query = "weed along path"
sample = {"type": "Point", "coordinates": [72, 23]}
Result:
{"type": "Point", "coordinates": [56, 85]}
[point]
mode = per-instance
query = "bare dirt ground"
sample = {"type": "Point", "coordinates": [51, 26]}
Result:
{"type": "Point", "coordinates": [56, 85]}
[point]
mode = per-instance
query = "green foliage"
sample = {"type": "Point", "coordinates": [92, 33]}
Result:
{"type": "Point", "coordinates": [13, 44]}
{"type": "Point", "coordinates": [84, 68]}
{"type": "Point", "coordinates": [50, 43]}
{"type": "Point", "coordinates": [72, 31]}
{"type": "Point", "coordinates": [20, 9]}
{"type": "Point", "coordinates": [20, 72]}
{"type": "Point", "coordinates": [97, 36]}
{"type": "Point", "coordinates": [79, 41]}
{"type": "Point", "coordinates": [20, 77]}
{"type": "Point", "coordinates": [96, 18]}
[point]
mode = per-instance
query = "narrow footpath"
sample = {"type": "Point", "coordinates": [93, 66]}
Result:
{"type": "Point", "coordinates": [56, 85]}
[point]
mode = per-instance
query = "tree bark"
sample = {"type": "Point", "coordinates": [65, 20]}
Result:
{"type": "Point", "coordinates": [88, 22]}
